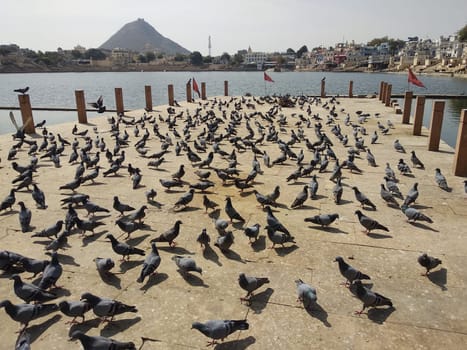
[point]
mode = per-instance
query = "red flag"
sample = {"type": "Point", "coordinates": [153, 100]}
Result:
{"type": "Point", "coordinates": [268, 78]}
{"type": "Point", "coordinates": [414, 80]}
{"type": "Point", "coordinates": [195, 87]}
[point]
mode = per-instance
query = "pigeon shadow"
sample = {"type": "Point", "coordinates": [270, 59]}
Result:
{"type": "Point", "coordinates": [318, 197]}
{"type": "Point", "coordinates": [283, 251]}
{"type": "Point", "coordinates": [137, 240]}
{"type": "Point", "coordinates": [92, 238]}
{"type": "Point", "coordinates": [280, 205]}
{"type": "Point", "coordinates": [156, 204]}
{"type": "Point", "coordinates": [423, 226]}
{"type": "Point", "coordinates": [259, 301]}
{"type": "Point", "coordinates": [378, 235]}
{"type": "Point", "coordinates": [111, 279]}
{"type": "Point", "coordinates": [368, 208]}
{"type": "Point", "coordinates": [114, 327]}
{"type": "Point", "coordinates": [37, 330]}
{"type": "Point", "coordinates": [176, 250]}
{"type": "Point", "coordinates": [239, 344]}
{"type": "Point", "coordinates": [186, 209]}
{"type": "Point", "coordinates": [259, 244]}
{"type": "Point", "coordinates": [60, 292]}
{"type": "Point", "coordinates": [344, 202]}
{"type": "Point", "coordinates": [67, 260]}
{"type": "Point", "coordinates": [238, 225]}
{"type": "Point", "coordinates": [329, 229]}
{"type": "Point", "coordinates": [439, 277]}
{"type": "Point", "coordinates": [154, 280]}
{"type": "Point", "coordinates": [84, 326]}
{"type": "Point", "coordinates": [421, 206]}
{"type": "Point", "coordinates": [210, 254]}
{"type": "Point", "coordinates": [303, 207]}
{"type": "Point", "coordinates": [193, 280]}
{"type": "Point", "coordinates": [128, 265]}
{"type": "Point", "coordinates": [318, 312]}
{"type": "Point", "coordinates": [230, 254]}
{"type": "Point", "coordinates": [215, 214]}
{"type": "Point", "coordinates": [380, 315]}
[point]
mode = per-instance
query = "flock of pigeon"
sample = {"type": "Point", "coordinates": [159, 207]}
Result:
{"type": "Point", "coordinates": [206, 143]}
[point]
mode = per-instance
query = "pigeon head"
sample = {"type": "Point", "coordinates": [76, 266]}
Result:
{"type": "Point", "coordinates": [358, 213]}
{"type": "Point", "coordinates": [338, 259]}
{"type": "Point", "coordinates": [110, 236]}
{"type": "Point", "coordinates": [15, 277]}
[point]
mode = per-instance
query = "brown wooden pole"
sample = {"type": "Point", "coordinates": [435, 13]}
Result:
{"type": "Point", "coordinates": [226, 88]}
{"type": "Point", "coordinates": [81, 106]}
{"type": "Point", "coordinates": [383, 92]}
{"type": "Point", "coordinates": [351, 89]}
{"type": "Point", "coordinates": [148, 97]}
{"type": "Point", "coordinates": [460, 155]}
{"type": "Point", "coordinates": [323, 88]}
{"type": "Point", "coordinates": [119, 100]}
{"type": "Point", "coordinates": [203, 90]}
{"type": "Point", "coordinates": [189, 97]}
{"type": "Point", "coordinates": [407, 107]}
{"type": "Point", "coordinates": [170, 90]}
{"type": "Point", "coordinates": [26, 114]}
{"type": "Point", "coordinates": [436, 125]}
{"type": "Point", "coordinates": [418, 115]}
{"type": "Point", "coordinates": [387, 103]}
{"type": "Point", "coordinates": [381, 86]}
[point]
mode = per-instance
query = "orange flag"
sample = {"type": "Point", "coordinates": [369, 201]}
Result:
{"type": "Point", "coordinates": [414, 80]}
{"type": "Point", "coordinates": [195, 87]}
{"type": "Point", "coordinates": [268, 78]}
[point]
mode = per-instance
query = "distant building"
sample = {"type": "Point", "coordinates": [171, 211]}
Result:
{"type": "Point", "coordinates": [120, 57]}
{"type": "Point", "coordinates": [254, 58]}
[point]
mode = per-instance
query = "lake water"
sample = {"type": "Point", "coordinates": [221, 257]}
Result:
{"type": "Point", "coordinates": [57, 89]}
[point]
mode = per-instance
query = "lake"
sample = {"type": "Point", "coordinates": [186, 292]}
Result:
{"type": "Point", "coordinates": [57, 89]}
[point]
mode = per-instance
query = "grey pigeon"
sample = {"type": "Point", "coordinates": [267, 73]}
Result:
{"type": "Point", "coordinates": [87, 225]}
{"type": "Point", "coordinates": [106, 308]}
{"type": "Point", "coordinates": [93, 208]}
{"type": "Point", "coordinates": [123, 249]}
{"type": "Point", "coordinates": [337, 191]}
{"type": "Point", "coordinates": [151, 263]}
{"type": "Point", "coordinates": [274, 223]}
{"type": "Point", "coordinates": [403, 167]}
{"type": "Point", "coordinates": [389, 172]}
{"type": "Point", "coordinates": [300, 198]}
{"type": "Point", "coordinates": [413, 214]}
{"type": "Point", "coordinates": [231, 212]}
{"type": "Point", "coordinates": [104, 265]}
{"type": "Point", "coordinates": [29, 292]}
{"type": "Point", "coordinates": [150, 195]}
{"type": "Point", "coordinates": [225, 242]}
{"type": "Point", "coordinates": [252, 232]}
{"type": "Point", "coordinates": [209, 204]}
{"type": "Point", "coordinates": [415, 161]}
{"type": "Point", "coordinates": [362, 198]}
{"type": "Point", "coordinates": [23, 342]}
{"type": "Point", "coordinates": [186, 265]}
{"type": "Point", "coordinates": [185, 199]}
{"type": "Point", "coordinates": [388, 197]}
{"type": "Point", "coordinates": [72, 185]}
{"type": "Point", "coordinates": [169, 235]}
{"type": "Point", "coordinates": [428, 262]}
{"type": "Point", "coordinates": [350, 273]}
{"type": "Point", "coordinates": [323, 219]}
{"type": "Point", "coordinates": [276, 236]}
{"type": "Point", "coordinates": [25, 313]}
{"type": "Point", "coordinates": [128, 226]}
{"type": "Point", "coordinates": [263, 199]}
{"type": "Point", "coordinates": [74, 309]}
{"type": "Point", "coordinates": [168, 184]}
{"type": "Point", "coordinates": [51, 274]}
{"type": "Point", "coordinates": [370, 158]}
{"type": "Point", "coordinates": [313, 187]}
{"type": "Point", "coordinates": [33, 266]}
{"type": "Point", "coordinates": [221, 225]}
{"type": "Point", "coordinates": [59, 242]}
{"type": "Point", "coordinates": [38, 196]}
{"type": "Point", "coordinates": [138, 214]}
{"type": "Point", "coordinates": [101, 343]}
{"type": "Point", "coordinates": [121, 207]}
{"type": "Point", "coordinates": [368, 223]}
{"type": "Point", "coordinates": [203, 238]}
{"type": "Point", "coordinates": [48, 232]}
{"type": "Point", "coordinates": [368, 297]}
{"type": "Point", "coordinates": [392, 187]}
{"type": "Point", "coordinates": [274, 195]}
{"type": "Point", "coordinates": [441, 180]}
{"type": "Point", "coordinates": [398, 146]}
{"type": "Point", "coordinates": [8, 201]}
{"type": "Point", "coordinates": [25, 216]}
{"type": "Point", "coordinates": [250, 284]}
{"type": "Point", "coordinates": [220, 329]}
{"type": "Point", "coordinates": [412, 195]}
{"type": "Point", "coordinates": [306, 294]}
{"type": "Point", "coordinates": [77, 198]}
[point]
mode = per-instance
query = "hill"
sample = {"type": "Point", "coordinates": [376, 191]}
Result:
{"type": "Point", "coordinates": [140, 36]}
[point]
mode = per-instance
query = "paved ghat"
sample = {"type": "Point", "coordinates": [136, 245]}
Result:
{"type": "Point", "coordinates": [428, 312]}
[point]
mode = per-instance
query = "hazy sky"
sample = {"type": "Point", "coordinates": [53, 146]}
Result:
{"type": "Point", "coordinates": [265, 25]}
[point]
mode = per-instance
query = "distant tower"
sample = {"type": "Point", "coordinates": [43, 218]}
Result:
{"type": "Point", "coordinates": [209, 45]}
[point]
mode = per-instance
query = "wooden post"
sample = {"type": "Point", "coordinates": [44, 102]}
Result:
{"type": "Point", "coordinates": [436, 125]}
{"type": "Point", "coordinates": [323, 88]}
{"type": "Point", "coordinates": [381, 87]}
{"type": "Point", "coordinates": [148, 97]}
{"type": "Point", "coordinates": [418, 116]}
{"type": "Point", "coordinates": [81, 107]}
{"type": "Point", "coordinates": [407, 107]}
{"type": "Point", "coordinates": [226, 88]}
{"type": "Point", "coordinates": [351, 89]}
{"type": "Point", "coordinates": [203, 90]}
{"type": "Point", "coordinates": [383, 92]}
{"type": "Point", "coordinates": [460, 155]}
{"type": "Point", "coordinates": [387, 103]}
{"type": "Point", "coordinates": [189, 97]}
{"type": "Point", "coordinates": [26, 114]}
{"type": "Point", "coordinates": [119, 100]}
{"type": "Point", "coordinates": [170, 90]}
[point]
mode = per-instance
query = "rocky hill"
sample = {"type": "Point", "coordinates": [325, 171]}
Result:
{"type": "Point", "coordinates": [140, 36]}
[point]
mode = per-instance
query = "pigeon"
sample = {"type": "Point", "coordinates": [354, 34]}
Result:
{"type": "Point", "coordinates": [416, 162]}
{"type": "Point", "coordinates": [104, 265]}
{"type": "Point", "coordinates": [168, 184]}
{"type": "Point", "coordinates": [72, 185]}
{"type": "Point", "coordinates": [390, 174]}
{"type": "Point", "coordinates": [412, 195]}
{"type": "Point", "coordinates": [203, 238]}
{"type": "Point", "coordinates": [221, 225]}
{"type": "Point", "coordinates": [179, 173]}
{"type": "Point", "coordinates": [101, 343]}
{"type": "Point", "coordinates": [306, 294]}
{"type": "Point", "coordinates": [350, 273]}
{"type": "Point", "coordinates": [150, 195]}
{"type": "Point", "coordinates": [74, 309]}
{"type": "Point", "coordinates": [151, 263]}
{"type": "Point", "coordinates": [38, 196]}
{"type": "Point", "coordinates": [323, 219]}
{"type": "Point", "coordinates": [370, 158]}
{"type": "Point", "coordinates": [264, 199]}
{"type": "Point", "coordinates": [203, 185]}
{"type": "Point", "coordinates": [362, 198]}
{"type": "Point", "coordinates": [220, 329]}
{"type": "Point", "coordinates": [99, 105]}
{"type": "Point", "coordinates": [273, 223]}
{"type": "Point", "coordinates": [8, 201]}
{"type": "Point", "coordinates": [93, 208]}
{"type": "Point", "coordinates": [185, 199]}
{"type": "Point", "coordinates": [337, 191]}
{"type": "Point", "coordinates": [231, 212]}
{"type": "Point", "coordinates": [25, 313]}
{"type": "Point", "coordinates": [392, 187]}
{"type": "Point", "coordinates": [121, 207]}
{"type": "Point", "coordinates": [368, 297]}
{"type": "Point", "coordinates": [22, 90]}
{"type": "Point", "coordinates": [428, 262]}
{"type": "Point", "coordinates": [77, 198]}
{"type": "Point", "coordinates": [186, 265]}
{"type": "Point", "coordinates": [413, 214]}
{"type": "Point", "coordinates": [398, 146]}
{"type": "Point", "coordinates": [313, 187]}
{"type": "Point", "coordinates": [225, 242]}
{"type": "Point", "coordinates": [123, 249]}
{"type": "Point", "coordinates": [105, 308]}
{"type": "Point", "coordinates": [368, 223]}
{"type": "Point", "coordinates": [24, 217]}
{"type": "Point", "coordinates": [441, 180]}
{"type": "Point", "coordinates": [59, 242]}
{"type": "Point", "coordinates": [139, 214]}
{"type": "Point", "coordinates": [23, 342]}
{"type": "Point", "coordinates": [276, 236]}
{"type": "Point", "coordinates": [252, 232]}
{"type": "Point", "coordinates": [388, 197]}
{"type": "Point", "coordinates": [300, 198]}
{"type": "Point", "coordinates": [403, 167]}
{"type": "Point", "coordinates": [128, 226]}
{"type": "Point", "coordinates": [51, 274]}
{"type": "Point", "coordinates": [87, 225]}
{"type": "Point", "coordinates": [250, 284]}
{"type": "Point", "coordinates": [209, 204]}
{"type": "Point", "coordinates": [33, 266]}
{"type": "Point", "coordinates": [169, 235]}
{"type": "Point", "coordinates": [29, 292]}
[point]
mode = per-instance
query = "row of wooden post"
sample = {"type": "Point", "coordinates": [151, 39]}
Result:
{"type": "Point", "coordinates": [323, 88]}
{"type": "Point", "coordinates": [436, 123]}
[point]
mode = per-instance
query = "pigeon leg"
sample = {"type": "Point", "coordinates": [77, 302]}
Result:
{"type": "Point", "coordinates": [73, 321]}
{"type": "Point", "coordinates": [173, 244]}
{"type": "Point", "coordinates": [212, 343]}
{"type": "Point", "coordinates": [361, 311]}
